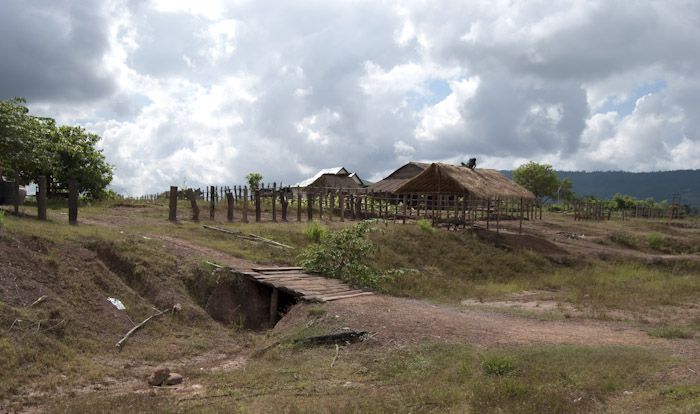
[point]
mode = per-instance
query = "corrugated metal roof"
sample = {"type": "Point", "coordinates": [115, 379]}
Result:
{"type": "Point", "coordinates": [309, 181]}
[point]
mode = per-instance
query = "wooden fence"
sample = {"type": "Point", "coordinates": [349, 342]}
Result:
{"type": "Point", "coordinates": [597, 210]}
{"type": "Point", "coordinates": [324, 203]}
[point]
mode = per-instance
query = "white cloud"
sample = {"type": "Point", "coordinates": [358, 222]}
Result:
{"type": "Point", "coordinates": [213, 90]}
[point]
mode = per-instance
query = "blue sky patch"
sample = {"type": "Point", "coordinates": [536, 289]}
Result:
{"type": "Point", "coordinates": [625, 108]}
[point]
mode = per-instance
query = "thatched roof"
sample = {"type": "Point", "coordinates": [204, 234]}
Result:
{"type": "Point", "coordinates": [445, 179]}
{"type": "Point", "coordinates": [399, 177]}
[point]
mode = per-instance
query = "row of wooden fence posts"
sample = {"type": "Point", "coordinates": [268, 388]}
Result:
{"type": "Point", "coordinates": [73, 192]}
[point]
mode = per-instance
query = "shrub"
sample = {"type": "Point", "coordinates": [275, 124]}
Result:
{"type": "Point", "coordinates": [343, 255]}
{"type": "Point", "coordinates": [497, 364]}
{"type": "Point", "coordinates": [624, 240]}
{"type": "Point", "coordinates": [315, 231]}
{"type": "Point", "coordinates": [656, 241]}
{"type": "Point", "coordinates": [425, 225]}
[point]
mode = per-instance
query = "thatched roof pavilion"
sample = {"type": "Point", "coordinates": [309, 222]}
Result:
{"type": "Point", "coordinates": [450, 179]}
{"type": "Point", "coordinates": [399, 177]}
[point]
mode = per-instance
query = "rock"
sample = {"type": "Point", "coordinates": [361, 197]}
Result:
{"type": "Point", "coordinates": [159, 376]}
{"type": "Point", "coordinates": [173, 379]}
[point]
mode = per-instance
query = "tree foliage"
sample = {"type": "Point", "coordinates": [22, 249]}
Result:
{"type": "Point", "coordinates": [542, 180]}
{"type": "Point", "coordinates": [254, 181]}
{"type": "Point", "coordinates": [34, 146]}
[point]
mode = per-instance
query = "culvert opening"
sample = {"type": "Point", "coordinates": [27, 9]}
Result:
{"type": "Point", "coordinates": [248, 304]}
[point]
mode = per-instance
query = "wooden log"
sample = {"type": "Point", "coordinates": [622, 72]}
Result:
{"type": "Point", "coordinates": [229, 205]}
{"type": "Point", "coordinates": [73, 190]}
{"type": "Point", "coordinates": [41, 198]}
{"type": "Point", "coordinates": [172, 216]}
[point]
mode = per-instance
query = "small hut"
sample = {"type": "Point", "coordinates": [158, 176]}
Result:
{"type": "Point", "coordinates": [398, 178]}
{"type": "Point", "coordinates": [446, 179]}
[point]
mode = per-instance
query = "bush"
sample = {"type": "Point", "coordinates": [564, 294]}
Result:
{"type": "Point", "coordinates": [315, 231]}
{"type": "Point", "coordinates": [342, 255]}
{"type": "Point", "coordinates": [498, 364]}
{"type": "Point", "coordinates": [624, 239]}
{"type": "Point", "coordinates": [425, 225]}
{"type": "Point", "coordinates": [656, 241]}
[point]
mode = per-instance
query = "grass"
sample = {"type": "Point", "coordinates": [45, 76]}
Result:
{"type": "Point", "coordinates": [419, 379]}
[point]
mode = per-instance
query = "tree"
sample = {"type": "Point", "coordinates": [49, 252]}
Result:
{"type": "Point", "coordinates": [254, 180]}
{"type": "Point", "coordinates": [78, 159]}
{"type": "Point", "coordinates": [33, 146]}
{"type": "Point", "coordinates": [542, 180]}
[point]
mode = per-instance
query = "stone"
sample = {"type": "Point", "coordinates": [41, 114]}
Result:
{"type": "Point", "coordinates": [159, 376]}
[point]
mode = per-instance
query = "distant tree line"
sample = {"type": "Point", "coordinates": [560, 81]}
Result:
{"type": "Point", "coordinates": [34, 146]}
{"type": "Point", "coordinates": [659, 185]}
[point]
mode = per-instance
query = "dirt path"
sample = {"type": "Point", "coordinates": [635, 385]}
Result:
{"type": "Point", "coordinates": [409, 321]}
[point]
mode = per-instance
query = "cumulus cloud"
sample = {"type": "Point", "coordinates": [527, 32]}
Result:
{"type": "Point", "coordinates": [209, 91]}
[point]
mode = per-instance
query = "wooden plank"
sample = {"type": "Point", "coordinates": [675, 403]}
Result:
{"type": "Point", "coordinates": [328, 299]}
{"type": "Point", "coordinates": [272, 269]}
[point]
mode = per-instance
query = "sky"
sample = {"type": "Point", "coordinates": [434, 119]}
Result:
{"type": "Point", "coordinates": [195, 93]}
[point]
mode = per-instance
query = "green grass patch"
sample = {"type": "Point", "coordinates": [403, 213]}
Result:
{"type": "Point", "coordinates": [423, 379]}
{"type": "Point", "coordinates": [672, 332]}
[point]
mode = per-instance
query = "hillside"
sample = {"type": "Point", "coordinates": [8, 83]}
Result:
{"type": "Point", "coordinates": [566, 317]}
{"type": "Point", "coordinates": [660, 185]}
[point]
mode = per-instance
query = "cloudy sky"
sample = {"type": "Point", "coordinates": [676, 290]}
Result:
{"type": "Point", "coordinates": [204, 92]}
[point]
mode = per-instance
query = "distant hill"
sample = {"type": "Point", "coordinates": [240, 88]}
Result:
{"type": "Point", "coordinates": [660, 185]}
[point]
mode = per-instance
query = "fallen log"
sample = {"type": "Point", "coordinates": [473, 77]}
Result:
{"type": "Point", "coordinates": [345, 337]}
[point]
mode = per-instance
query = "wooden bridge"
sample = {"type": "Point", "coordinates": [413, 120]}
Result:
{"type": "Point", "coordinates": [294, 281]}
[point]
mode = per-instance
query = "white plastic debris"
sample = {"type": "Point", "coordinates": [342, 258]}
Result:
{"type": "Point", "coordinates": [117, 303]}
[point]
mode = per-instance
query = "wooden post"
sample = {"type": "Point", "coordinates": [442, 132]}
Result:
{"type": "Point", "coordinates": [342, 205]}
{"type": "Point", "coordinates": [358, 206]}
{"type": "Point", "coordinates": [298, 204]}
{"type": "Point", "coordinates": [15, 191]}
{"type": "Point", "coordinates": [41, 198]}
{"type": "Point", "coordinates": [257, 205]}
{"type": "Point", "coordinates": [498, 213]}
{"type": "Point", "coordinates": [274, 302]}
{"type": "Point", "coordinates": [403, 210]}
{"type": "Point", "coordinates": [212, 200]}
{"type": "Point", "coordinates": [321, 198]}
{"type": "Point", "coordinates": [488, 212]}
{"type": "Point", "coordinates": [309, 205]}
{"type": "Point", "coordinates": [72, 202]}
{"type": "Point", "coordinates": [284, 202]}
{"type": "Point", "coordinates": [173, 203]}
{"type": "Point", "coordinates": [332, 207]}
{"type": "Point", "coordinates": [520, 230]}
{"type": "Point", "coordinates": [229, 205]}
{"type": "Point", "coordinates": [274, 201]}
{"type": "Point", "coordinates": [245, 204]}
{"type": "Point", "coordinates": [193, 203]}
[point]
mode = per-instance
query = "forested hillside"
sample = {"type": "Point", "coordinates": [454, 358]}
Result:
{"type": "Point", "coordinates": [660, 185]}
